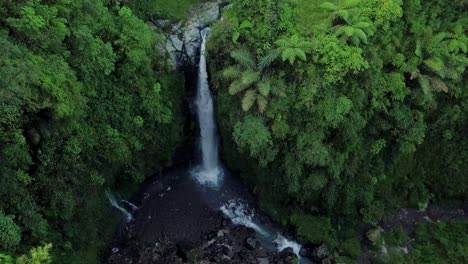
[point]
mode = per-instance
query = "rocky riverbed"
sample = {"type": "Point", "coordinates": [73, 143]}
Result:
{"type": "Point", "coordinates": [177, 221]}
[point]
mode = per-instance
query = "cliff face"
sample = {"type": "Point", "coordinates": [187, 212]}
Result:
{"type": "Point", "coordinates": [183, 40]}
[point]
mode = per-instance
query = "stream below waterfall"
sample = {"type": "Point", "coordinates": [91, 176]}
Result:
{"type": "Point", "coordinates": [186, 204]}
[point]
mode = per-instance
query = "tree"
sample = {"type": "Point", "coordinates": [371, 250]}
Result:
{"type": "Point", "coordinates": [292, 48]}
{"type": "Point", "coordinates": [348, 23]}
{"type": "Point", "coordinates": [10, 233]}
{"type": "Point", "coordinates": [247, 78]}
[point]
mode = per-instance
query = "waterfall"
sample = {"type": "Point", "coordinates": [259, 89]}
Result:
{"type": "Point", "coordinates": [209, 173]}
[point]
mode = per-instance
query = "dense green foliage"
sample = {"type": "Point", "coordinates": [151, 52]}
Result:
{"type": "Point", "coordinates": [367, 111]}
{"type": "Point", "coordinates": [435, 243]}
{"type": "Point", "coordinates": [86, 104]}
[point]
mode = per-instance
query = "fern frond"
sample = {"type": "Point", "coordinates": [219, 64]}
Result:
{"type": "Point", "coordinates": [282, 43]}
{"type": "Point", "coordinates": [361, 35]}
{"type": "Point", "coordinates": [300, 54]}
{"type": "Point", "coordinates": [351, 3]}
{"type": "Point", "coordinates": [344, 14]}
{"type": "Point", "coordinates": [243, 57]}
{"type": "Point", "coordinates": [363, 25]}
{"type": "Point", "coordinates": [329, 6]}
{"type": "Point", "coordinates": [438, 85]}
{"type": "Point", "coordinates": [264, 87]}
{"type": "Point", "coordinates": [268, 59]}
{"type": "Point", "coordinates": [436, 65]}
{"type": "Point", "coordinates": [249, 77]}
{"type": "Point", "coordinates": [424, 83]}
{"type": "Point", "coordinates": [231, 72]}
{"type": "Point", "coordinates": [236, 87]}
{"type": "Point", "coordinates": [262, 103]}
{"type": "Point", "coordinates": [248, 100]}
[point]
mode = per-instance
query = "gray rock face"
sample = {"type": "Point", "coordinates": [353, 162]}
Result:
{"type": "Point", "coordinates": [321, 252]}
{"type": "Point", "coordinates": [183, 40]}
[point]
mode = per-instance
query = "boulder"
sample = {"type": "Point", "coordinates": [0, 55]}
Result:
{"type": "Point", "coordinates": [251, 243]}
{"type": "Point", "coordinates": [263, 261]}
{"type": "Point", "coordinates": [321, 251]}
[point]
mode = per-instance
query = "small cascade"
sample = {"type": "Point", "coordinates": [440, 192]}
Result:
{"type": "Point", "coordinates": [131, 205]}
{"type": "Point", "coordinates": [283, 243]}
{"type": "Point", "coordinates": [209, 173]}
{"type": "Point", "coordinates": [116, 205]}
{"type": "Point", "coordinates": [240, 214]}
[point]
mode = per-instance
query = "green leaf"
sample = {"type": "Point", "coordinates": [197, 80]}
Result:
{"type": "Point", "coordinates": [343, 14]}
{"type": "Point", "coordinates": [329, 6]}
{"type": "Point", "coordinates": [246, 24]}
{"type": "Point", "coordinates": [349, 31]}
{"type": "Point", "coordinates": [361, 35]}
{"type": "Point", "coordinates": [235, 37]}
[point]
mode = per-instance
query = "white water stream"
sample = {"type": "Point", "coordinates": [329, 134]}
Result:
{"type": "Point", "coordinates": [209, 173]}
{"type": "Point", "coordinates": [113, 201]}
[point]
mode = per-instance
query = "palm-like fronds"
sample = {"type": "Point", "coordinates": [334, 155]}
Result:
{"type": "Point", "coordinates": [244, 58]}
{"type": "Point", "coordinates": [232, 72]}
{"type": "Point", "coordinates": [268, 59]}
{"type": "Point", "coordinates": [262, 103]}
{"type": "Point", "coordinates": [236, 87]}
{"type": "Point", "coordinates": [292, 48]}
{"type": "Point", "coordinates": [248, 100]}
{"type": "Point", "coordinates": [264, 87]}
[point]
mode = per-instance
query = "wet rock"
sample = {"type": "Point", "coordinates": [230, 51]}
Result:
{"type": "Point", "coordinates": [306, 252]}
{"type": "Point", "coordinates": [321, 252]}
{"type": "Point", "coordinates": [263, 261]}
{"type": "Point", "coordinates": [262, 253]}
{"type": "Point", "coordinates": [287, 256]}
{"type": "Point", "coordinates": [251, 243]}
{"type": "Point", "coordinates": [183, 40]}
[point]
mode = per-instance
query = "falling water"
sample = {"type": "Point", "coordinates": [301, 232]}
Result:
{"type": "Point", "coordinates": [133, 206]}
{"type": "Point", "coordinates": [115, 204]}
{"type": "Point", "coordinates": [240, 214]}
{"type": "Point", "coordinates": [283, 243]}
{"type": "Point", "coordinates": [209, 173]}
